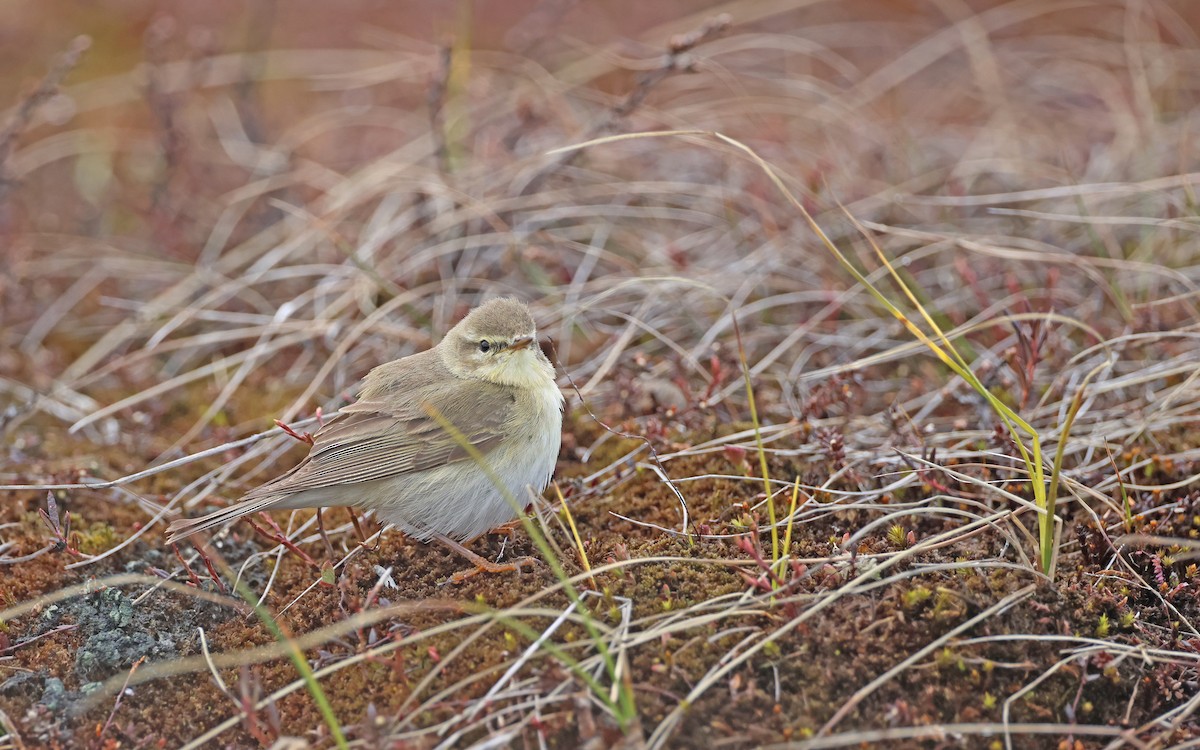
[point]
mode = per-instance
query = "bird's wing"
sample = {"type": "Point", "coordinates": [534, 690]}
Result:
{"type": "Point", "coordinates": [380, 437]}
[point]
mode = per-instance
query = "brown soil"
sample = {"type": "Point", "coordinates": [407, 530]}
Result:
{"type": "Point", "coordinates": [787, 691]}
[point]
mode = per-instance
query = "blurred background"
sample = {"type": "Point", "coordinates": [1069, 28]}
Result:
{"type": "Point", "coordinates": [395, 130]}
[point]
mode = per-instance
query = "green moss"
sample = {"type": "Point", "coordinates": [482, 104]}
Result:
{"type": "Point", "coordinates": [947, 605]}
{"type": "Point", "coordinates": [99, 537]}
{"type": "Point", "coordinates": [916, 596]}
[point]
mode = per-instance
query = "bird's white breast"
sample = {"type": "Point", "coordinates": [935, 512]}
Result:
{"type": "Point", "coordinates": [461, 500]}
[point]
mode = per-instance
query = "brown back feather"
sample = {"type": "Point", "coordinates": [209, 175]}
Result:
{"type": "Point", "coordinates": [390, 431]}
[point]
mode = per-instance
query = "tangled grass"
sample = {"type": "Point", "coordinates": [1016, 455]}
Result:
{"type": "Point", "coordinates": [218, 239]}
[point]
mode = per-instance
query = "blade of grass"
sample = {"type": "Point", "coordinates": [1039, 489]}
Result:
{"type": "Point", "coordinates": [1059, 452]}
{"type": "Point", "coordinates": [758, 440]}
{"type": "Point", "coordinates": [787, 537]}
{"type": "Point", "coordinates": [583, 558]}
{"type": "Point", "coordinates": [624, 710]}
{"type": "Point", "coordinates": [942, 348]}
{"type": "Point", "coordinates": [1126, 506]}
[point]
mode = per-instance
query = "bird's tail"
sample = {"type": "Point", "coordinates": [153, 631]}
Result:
{"type": "Point", "coordinates": [185, 527]}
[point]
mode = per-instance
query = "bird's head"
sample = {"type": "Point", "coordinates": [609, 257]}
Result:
{"type": "Point", "coordinates": [497, 342]}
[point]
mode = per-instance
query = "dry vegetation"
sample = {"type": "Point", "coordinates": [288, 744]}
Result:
{"type": "Point", "coordinates": [215, 238]}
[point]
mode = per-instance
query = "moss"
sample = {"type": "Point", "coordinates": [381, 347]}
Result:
{"type": "Point", "coordinates": [98, 538]}
{"type": "Point", "coordinates": [817, 665]}
{"type": "Point", "coordinates": [916, 596]}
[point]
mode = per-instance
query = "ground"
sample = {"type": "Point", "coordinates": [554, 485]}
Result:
{"type": "Point", "coordinates": [830, 357]}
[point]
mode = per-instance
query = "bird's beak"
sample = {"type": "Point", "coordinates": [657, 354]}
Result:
{"type": "Point", "coordinates": [521, 342]}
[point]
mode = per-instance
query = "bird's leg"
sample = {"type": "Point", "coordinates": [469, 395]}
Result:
{"type": "Point", "coordinates": [482, 565]}
{"type": "Point", "coordinates": [507, 529]}
{"type": "Point", "coordinates": [362, 535]}
{"type": "Point", "coordinates": [510, 529]}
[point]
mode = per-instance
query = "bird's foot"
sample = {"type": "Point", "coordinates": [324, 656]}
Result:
{"type": "Point", "coordinates": [482, 564]}
{"type": "Point", "coordinates": [486, 566]}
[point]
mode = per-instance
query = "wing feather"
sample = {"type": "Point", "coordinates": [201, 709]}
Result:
{"type": "Point", "coordinates": [390, 432]}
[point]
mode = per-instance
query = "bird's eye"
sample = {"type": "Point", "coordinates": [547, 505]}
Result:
{"type": "Point", "coordinates": [485, 346]}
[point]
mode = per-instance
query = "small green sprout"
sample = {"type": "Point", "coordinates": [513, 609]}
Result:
{"type": "Point", "coordinates": [915, 597]}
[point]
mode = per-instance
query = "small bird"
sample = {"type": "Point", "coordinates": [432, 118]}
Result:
{"type": "Point", "coordinates": [389, 450]}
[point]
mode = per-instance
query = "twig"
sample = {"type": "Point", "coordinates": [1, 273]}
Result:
{"type": "Point", "coordinates": [280, 538]}
{"type": "Point", "coordinates": [630, 436]}
{"type": "Point", "coordinates": [46, 89]}
{"type": "Point", "coordinates": [117, 703]}
{"type": "Point", "coordinates": [676, 60]}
